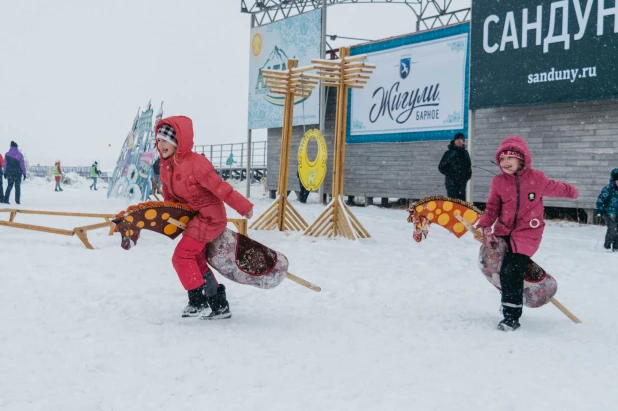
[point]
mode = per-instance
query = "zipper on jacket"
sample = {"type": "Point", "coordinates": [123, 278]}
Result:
{"type": "Point", "coordinates": [516, 211]}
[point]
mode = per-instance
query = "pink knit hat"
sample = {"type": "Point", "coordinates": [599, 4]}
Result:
{"type": "Point", "coordinates": [511, 153]}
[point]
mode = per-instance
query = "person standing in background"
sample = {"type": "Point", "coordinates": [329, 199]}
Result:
{"type": "Point", "coordinates": [14, 168]}
{"type": "Point", "coordinates": [57, 173]}
{"type": "Point", "coordinates": [1, 178]}
{"type": "Point", "coordinates": [94, 174]}
{"type": "Point", "coordinates": [456, 167]}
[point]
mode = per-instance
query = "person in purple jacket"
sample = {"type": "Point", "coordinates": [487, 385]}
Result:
{"type": "Point", "coordinates": [515, 205]}
{"type": "Point", "coordinates": [14, 169]}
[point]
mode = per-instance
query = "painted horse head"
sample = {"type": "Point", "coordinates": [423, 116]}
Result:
{"type": "Point", "coordinates": [441, 210]}
{"type": "Point", "coordinates": [159, 216]}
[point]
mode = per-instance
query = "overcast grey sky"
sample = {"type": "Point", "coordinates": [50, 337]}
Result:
{"type": "Point", "coordinates": [74, 72]}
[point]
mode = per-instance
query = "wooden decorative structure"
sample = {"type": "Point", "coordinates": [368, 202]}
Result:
{"type": "Point", "coordinates": [292, 83]}
{"type": "Point", "coordinates": [80, 232]}
{"type": "Point", "coordinates": [345, 73]}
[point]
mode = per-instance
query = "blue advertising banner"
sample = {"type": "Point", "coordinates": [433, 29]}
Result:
{"type": "Point", "coordinates": [419, 90]}
{"type": "Point", "coordinates": [272, 46]}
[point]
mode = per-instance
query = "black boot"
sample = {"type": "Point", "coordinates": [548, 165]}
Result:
{"type": "Point", "coordinates": [219, 305]}
{"type": "Point", "coordinates": [508, 324]}
{"type": "Point", "coordinates": [197, 303]}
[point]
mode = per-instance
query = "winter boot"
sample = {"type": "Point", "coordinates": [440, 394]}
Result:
{"type": "Point", "coordinates": [508, 324]}
{"type": "Point", "coordinates": [219, 305]}
{"type": "Point", "coordinates": [197, 303]}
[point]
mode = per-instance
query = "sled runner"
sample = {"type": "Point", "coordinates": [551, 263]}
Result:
{"type": "Point", "coordinates": [458, 217]}
{"type": "Point", "coordinates": [235, 256]}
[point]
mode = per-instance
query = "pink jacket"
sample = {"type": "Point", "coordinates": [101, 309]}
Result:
{"type": "Point", "coordinates": [515, 201]}
{"type": "Point", "coordinates": [189, 178]}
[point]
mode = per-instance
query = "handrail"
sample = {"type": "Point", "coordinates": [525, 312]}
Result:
{"type": "Point", "coordinates": [234, 154]}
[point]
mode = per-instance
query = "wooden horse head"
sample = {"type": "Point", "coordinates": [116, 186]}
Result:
{"type": "Point", "coordinates": [441, 210]}
{"type": "Point", "coordinates": [159, 216]}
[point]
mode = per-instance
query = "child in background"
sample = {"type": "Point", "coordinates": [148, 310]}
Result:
{"type": "Point", "coordinates": [607, 207]}
{"type": "Point", "coordinates": [191, 179]}
{"type": "Point", "coordinates": [515, 204]}
{"type": "Point", "coordinates": [57, 173]}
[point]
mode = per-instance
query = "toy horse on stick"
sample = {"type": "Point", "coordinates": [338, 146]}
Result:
{"type": "Point", "coordinates": [458, 217]}
{"type": "Point", "coordinates": [235, 256]}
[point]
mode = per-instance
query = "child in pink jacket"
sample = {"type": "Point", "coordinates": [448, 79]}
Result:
{"type": "Point", "coordinates": [191, 179]}
{"type": "Point", "coordinates": [515, 205]}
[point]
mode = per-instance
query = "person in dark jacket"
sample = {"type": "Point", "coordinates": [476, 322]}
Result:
{"type": "Point", "coordinates": [456, 167]}
{"type": "Point", "coordinates": [1, 178]}
{"type": "Point", "coordinates": [14, 169]}
{"type": "Point", "coordinates": [304, 193]}
{"type": "Point", "coordinates": [607, 207]}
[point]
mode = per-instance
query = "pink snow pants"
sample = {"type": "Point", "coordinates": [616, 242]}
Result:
{"type": "Point", "coordinates": [189, 261]}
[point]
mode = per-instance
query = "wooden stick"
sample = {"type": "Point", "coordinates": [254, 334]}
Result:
{"type": "Point", "coordinates": [61, 213]}
{"type": "Point", "coordinates": [327, 62]}
{"type": "Point", "coordinates": [565, 311]}
{"type": "Point", "coordinates": [274, 73]}
{"type": "Point", "coordinates": [37, 228]}
{"type": "Point", "coordinates": [296, 71]}
{"type": "Point", "coordinates": [303, 282]}
{"type": "Point", "coordinates": [349, 58]}
{"type": "Point", "coordinates": [469, 226]}
{"type": "Point", "coordinates": [303, 81]}
{"type": "Point", "coordinates": [177, 223]}
{"type": "Point", "coordinates": [270, 217]}
{"type": "Point", "coordinates": [363, 233]}
{"type": "Point", "coordinates": [111, 225]}
{"type": "Point", "coordinates": [264, 215]}
{"type": "Point", "coordinates": [92, 226]}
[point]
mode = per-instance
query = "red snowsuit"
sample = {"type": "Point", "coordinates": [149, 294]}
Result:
{"type": "Point", "coordinates": [516, 201]}
{"type": "Point", "coordinates": [189, 178]}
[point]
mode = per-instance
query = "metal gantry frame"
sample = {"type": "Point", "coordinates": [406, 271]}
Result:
{"type": "Point", "coordinates": [429, 13]}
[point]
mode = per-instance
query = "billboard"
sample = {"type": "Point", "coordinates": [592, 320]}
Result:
{"type": "Point", "coordinates": [272, 45]}
{"type": "Point", "coordinates": [528, 52]}
{"type": "Point", "coordinates": [419, 90]}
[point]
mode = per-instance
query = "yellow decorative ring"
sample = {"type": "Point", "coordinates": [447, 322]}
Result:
{"type": "Point", "coordinates": [312, 173]}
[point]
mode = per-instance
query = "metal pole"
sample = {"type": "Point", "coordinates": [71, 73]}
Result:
{"type": "Point", "coordinates": [248, 163]}
{"type": "Point", "coordinates": [323, 89]}
{"type": "Point", "coordinates": [471, 125]}
{"type": "Point", "coordinates": [248, 194]}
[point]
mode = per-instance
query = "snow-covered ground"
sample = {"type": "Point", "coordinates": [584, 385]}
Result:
{"type": "Point", "coordinates": [398, 325]}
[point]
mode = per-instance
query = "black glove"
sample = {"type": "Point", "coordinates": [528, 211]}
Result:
{"type": "Point", "coordinates": [24, 177]}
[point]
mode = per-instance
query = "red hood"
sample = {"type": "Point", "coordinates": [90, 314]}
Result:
{"type": "Point", "coordinates": [183, 126]}
{"type": "Point", "coordinates": [518, 144]}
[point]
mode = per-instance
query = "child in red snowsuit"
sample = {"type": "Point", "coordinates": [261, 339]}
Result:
{"type": "Point", "coordinates": [191, 179]}
{"type": "Point", "coordinates": [515, 204]}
